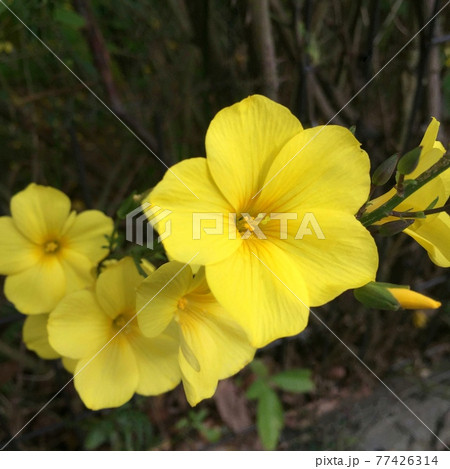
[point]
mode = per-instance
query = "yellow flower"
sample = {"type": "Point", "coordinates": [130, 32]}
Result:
{"type": "Point", "coordinates": [432, 232]}
{"type": "Point", "coordinates": [319, 175]}
{"type": "Point", "coordinates": [409, 299]}
{"type": "Point", "coordinates": [211, 345]}
{"type": "Point", "coordinates": [110, 367]}
{"type": "Point", "coordinates": [46, 250]}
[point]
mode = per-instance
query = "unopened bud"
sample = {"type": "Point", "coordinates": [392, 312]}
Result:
{"type": "Point", "coordinates": [392, 228]}
{"type": "Point", "coordinates": [409, 161]}
{"type": "Point", "coordinates": [375, 295]}
{"type": "Point", "coordinates": [384, 172]}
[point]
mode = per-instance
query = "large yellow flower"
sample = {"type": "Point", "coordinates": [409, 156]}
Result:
{"type": "Point", "coordinates": [211, 345]}
{"type": "Point", "coordinates": [319, 176]}
{"type": "Point", "coordinates": [432, 232]}
{"type": "Point", "coordinates": [46, 250]}
{"type": "Point", "coordinates": [110, 367]}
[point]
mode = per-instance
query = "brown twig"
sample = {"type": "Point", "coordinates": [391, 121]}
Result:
{"type": "Point", "coordinates": [264, 46]}
{"type": "Point", "coordinates": [102, 60]}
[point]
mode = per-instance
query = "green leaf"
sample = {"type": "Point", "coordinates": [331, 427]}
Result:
{"type": "Point", "coordinates": [269, 419]}
{"type": "Point", "coordinates": [68, 18]}
{"type": "Point", "coordinates": [433, 203]}
{"type": "Point", "coordinates": [257, 389]}
{"type": "Point", "coordinates": [294, 381]}
{"type": "Point", "coordinates": [127, 206]}
{"type": "Point", "coordinates": [259, 368]}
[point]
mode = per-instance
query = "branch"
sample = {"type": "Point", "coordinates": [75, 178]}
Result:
{"type": "Point", "coordinates": [385, 210]}
{"type": "Point", "coordinates": [264, 46]}
{"type": "Point", "coordinates": [102, 61]}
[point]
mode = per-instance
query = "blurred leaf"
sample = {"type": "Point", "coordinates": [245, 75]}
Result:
{"type": "Point", "coordinates": [98, 435]}
{"type": "Point", "coordinates": [127, 206]}
{"type": "Point", "coordinates": [294, 381]}
{"type": "Point", "coordinates": [259, 368]}
{"type": "Point", "coordinates": [269, 418]}
{"type": "Point", "coordinates": [68, 18]}
{"type": "Point", "coordinates": [257, 389]}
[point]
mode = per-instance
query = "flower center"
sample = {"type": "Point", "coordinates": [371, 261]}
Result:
{"type": "Point", "coordinates": [250, 227]}
{"type": "Point", "coordinates": [51, 247]}
{"type": "Point", "coordinates": [122, 323]}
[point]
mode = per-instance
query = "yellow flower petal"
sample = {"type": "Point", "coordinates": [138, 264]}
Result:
{"type": "Point", "coordinates": [116, 287]}
{"type": "Point", "coordinates": [183, 243]}
{"type": "Point", "coordinates": [77, 270]}
{"type": "Point", "coordinates": [343, 236]}
{"type": "Point", "coordinates": [35, 336]}
{"type": "Point", "coordinates": [17, 253]}
{"type": "Point", "coordinates": [40, 212]}
{"type": "Point", "coordinates": [241, 143]}
{"type": "Point", "coordinates": [219, 345]}
{"type": "Point", "coordinates": [329, 171]}
{"type": "Point", "coordinates": [69, 364]}
{"type": "Point", "coordinates": [109, 379]}
{"type": "Point", "coordinates": [38, 289]}
{"type": "Point", "coordinates": [77, 327]}
{"type": "Point", "coordinates": [157, 362]}
{"type": "Point", "coordinates": [410, 299]}
{"type": "Point", "coordinates": [87, 235]}
{"type": "Point", "coordinates": [158, 295]}
{"type": "Point", "coordinates": [433, 234]}
{"type": "Point", "coordinates": [263, 290]}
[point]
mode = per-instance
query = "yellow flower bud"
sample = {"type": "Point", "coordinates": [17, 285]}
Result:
{"type": "Point", "coordinates": [409, 299]}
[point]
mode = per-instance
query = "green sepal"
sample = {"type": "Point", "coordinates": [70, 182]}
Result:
{"type": "Point", "coordinates": [377, 296]}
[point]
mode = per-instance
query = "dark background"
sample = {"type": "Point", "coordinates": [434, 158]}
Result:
{"type": "Point", "coordinates": [165, 68]}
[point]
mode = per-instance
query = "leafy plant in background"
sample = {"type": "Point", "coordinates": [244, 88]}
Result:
{"type": "Point", "coordinates": [269, 410]}
{"type": "Point", "coordinates": [195, 420]}
{"type": "Point", "coordinates": [124, 428]}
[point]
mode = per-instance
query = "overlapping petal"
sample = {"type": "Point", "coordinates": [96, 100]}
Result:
{"type": "Point", "coordinates": [87, 235]}
{"type": "Point", "coordinates": [37, 289]}
{"type": "Point", "coordinates": [40, 212]}
{"type": "Point", "coordinates": [157, 297]}
{"type": "Point", "coordinates": [263, 290]}
{"type": "Point", "coordinates": [241, 143]}
{"type": "Point", "coordinates": [78, 327]}
{"type": "Point", "coordinates": [35, 336]}
{"type": "Point", "coordinates": [433, 234]}
{"type": "Point", "coordinates": [219, 345]}
{"type": "Point", "coordinates": [313, 248]}
{"type": "Point", "coordinates": [108, 379]}
{"type": "Point", "coordinates": [315, 169]}
{"type": "Point", "coordinates": [116, 287]}
{"type": "Point", "coordinates": [17, 252]}
{"type": "Point", "coordinates": [157, 362]}
{"type": "Point", "coordinates": [192, 214]}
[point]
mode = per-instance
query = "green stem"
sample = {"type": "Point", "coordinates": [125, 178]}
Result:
{"type": "Point", "coordinates": [384, 210]}
{"type": "Point", "coordinates": [419, 214]}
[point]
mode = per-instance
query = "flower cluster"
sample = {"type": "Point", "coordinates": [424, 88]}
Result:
{"type": "Point", "coordinates": [275, 221]}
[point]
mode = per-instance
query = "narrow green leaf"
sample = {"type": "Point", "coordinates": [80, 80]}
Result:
{"type": "Point", "coordinates": [270, 419]}
{"type": "Point", "coordinates": [298, 381]}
